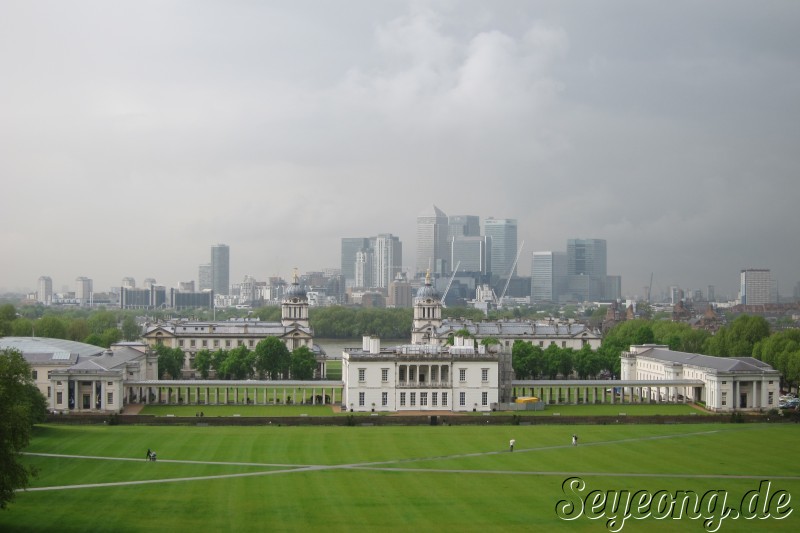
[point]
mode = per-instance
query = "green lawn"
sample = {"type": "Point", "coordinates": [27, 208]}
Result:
{"type": "Point", "coordinates": [442, 478]}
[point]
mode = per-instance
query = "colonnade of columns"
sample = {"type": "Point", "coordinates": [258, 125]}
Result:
{"type": "Point", "coordinates": [216, 395]}
{"type": "Point", "coordinates": [581, 394]}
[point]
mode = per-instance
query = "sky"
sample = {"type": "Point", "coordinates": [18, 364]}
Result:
{"type": "Point", "coordinates": [136, 134]}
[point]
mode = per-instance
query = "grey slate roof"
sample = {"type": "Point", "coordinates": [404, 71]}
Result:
{"type": "Point", "coordinates": [721, 364]}
{"type": "Point", "coordinates": [43, 345]}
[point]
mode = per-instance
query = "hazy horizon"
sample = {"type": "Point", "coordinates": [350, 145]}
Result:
{"type": "Point", "coordinates": [135, 135]}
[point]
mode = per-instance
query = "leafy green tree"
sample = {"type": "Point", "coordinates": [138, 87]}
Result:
{"type": "Point", "coordinates": [550, 361]}
{"type": "Point", "coordinates": [111, 336]}
{"type": "Point", "coordinates": [77, 329]}
{"type": "Point", "coordinates": [566, 362]}
{"type": "Point", "coordinates": [202, 363]}
{"type": "Point", "coordinates": [23, 327]}
{"type": "Point", "coordinates": [238, 364]}
{"type": "Point", "coordinates": [100, 321]}
{"type": "Point", "coordinates": [739, 338]}
{"type": "Point", "coordinates": [21, 405]}
{"type": "Point", "coordinates": [522, 359]}
{"type": "Point", "coordinates": [95, 340]}
{"type": "Point", "coordinates": [587, 362]}
{"type": "Point", "coordinates": [303, 363]}
{"type": "Point", "coordinates": [170, 361]}
{"type": "Point", "coordinates": [8, 314]}
{"type": "Point", "coordinates": [52, 327]}
{"type": "Point", "coordinates": [130, 329]}
{"type": "Point", "coordinates": [272, 358]}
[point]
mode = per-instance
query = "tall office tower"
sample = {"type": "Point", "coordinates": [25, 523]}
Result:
{"type": "Point", "coordinates": [350, 247]}
{"type": "Point", "coordinates": [432, 243]}
{"type": "Point", "coordinates": [363, 270]}
{"type": "Point", "coordinates": [503, 234]}
{"type": "Point", "coordinates": [586, 257]}
{"type": "Point", "coordinates": [204, 277]}
{"type": "Point", "coordinates": [83, 291]}
{"type": "Point", "coordinates": [400, 292]}
{"type": "Point", "coordinates": [387, 259]}
{"type": "Point", "coordinates": [186, 286]}
{"type": "Point", "coordinates": [463, 226]}
{"type": "Point", "coordinates": [471, 254]}
{"type": "Point", "coordinates": [128, 283]}
{"type": "Point", "coordinates": [220, 269]}
{"type": "Point", "coordinates": [755, 286]}
{"type": "Point", "coordinates": [44, 293]}
{"type": "Point", "coordinates": [548, 275]}
{"type": "Point", "coordinates": [711, 297]}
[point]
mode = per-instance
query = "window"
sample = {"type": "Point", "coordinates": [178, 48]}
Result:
{"type": "Point", "coordinates": [180, 343]}
{"type": "Point", "coordinates": [59, 398]}
{"type": "Point", "coordinates": [462, 398]}
{"type": "Point", "coordinates": [724, 382]}
{"type": "Point", "coordinates": [434, 398]}
{"type": "Point", "coordinates": [563, 344]}
{"type": "Point", "coordinates": [362, 374]}
{"type": "Point", "coordinates": [361, 399]}
{"type": "Point", "coordinates": [216, 343]}
{"type": "Point", "coordinates": [423, 398]}
{"type": "Point", "coordinates": [402, 375]}
{"type": "Point", "coordinates": [385, 399]}
{"type": "Point", "coordinates": [110, 383]}
{"type": "Point", "coordinates": [48, 392]}
{"type": "Point", "coordinates": [227, 343]}
{"type": "Point", "coordinates": [402, 399]}
{"type": "Point", "coordinates": [770, 398]}
{"type": "Point", "coordinates": [462, 374]}
{"type": "Point", "coordinates": [238, 342]}
{"type": "Point", "coordinates": [192, 343]}
{"type": "Point", "coordinates": [484, 398]}
{"type": "Point", "coordinates": [384, 375]}
{"type": "Point", "coordinates": [205, 343]}
{"type": "Point", "coordinates": [484, 374]}
{"type": "Point", "coordinates": [444, 398]}
{"type": "Point", "coordinates": [35, 374]}
{"type": "Point", "coordinates": [413, 399]}
{"type": "Point", "coordinates": [250, 342]}
{"type": "Point", "coordinates": [110, 398]}
{"type": "Point", "coordinates": [724, 398]}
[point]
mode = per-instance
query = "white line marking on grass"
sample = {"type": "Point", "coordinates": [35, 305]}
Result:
{"type": "Point", "coordinates": [103, 458]}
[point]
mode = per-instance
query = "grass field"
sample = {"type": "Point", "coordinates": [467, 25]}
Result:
{"type": "Point", "coordinates": [441, 478]}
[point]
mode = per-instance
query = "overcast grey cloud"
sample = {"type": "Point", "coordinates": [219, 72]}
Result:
{"type": "Point", "coordinates": [134, 135]}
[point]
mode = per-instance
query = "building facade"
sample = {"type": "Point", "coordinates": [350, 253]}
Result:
{"type": "Point", "coordinates": [548, 276]}
{"type": "Point", "coordinates": [44, 292]}
{"type": "Point", "coordinates": [755, 286]}
{"type": "Point", "coordinates": [729, 383]}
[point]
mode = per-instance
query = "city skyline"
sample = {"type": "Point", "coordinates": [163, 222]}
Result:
{"type": "Point", "coordinates": [132, 146]}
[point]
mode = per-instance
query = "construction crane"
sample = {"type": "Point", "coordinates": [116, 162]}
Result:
{"type": "Point", "coordinates": [513, 268]}
{"type": "Point", "coordinates": [649, 288]}
{"type": "Point", "coordinates": [447, 289]}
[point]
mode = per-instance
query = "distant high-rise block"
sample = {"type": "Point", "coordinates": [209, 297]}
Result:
{"type": "Point", "coordinates": [220, 269]}
{"type": "Point", "coordinates": [503, 235]}
{"type": "Point", "coordinates": [44, 293]}
{"type": "Point", "coordinates": [83, 290]}
{"type": "Point", "coordinates": [755, 286]}
{"type": "Point", "coordinates": [204, 277]}
{"type": "Point", "coordinates": [586, 257]}
{"type": "Point", "coordinates": [463, 226]}
{"type": "Point", "coordinates": [350, 248]}
{"type": "Point", "coordinates": [548, 276]}
{"type": "Point", "coordinates": [470, 254]}
{"type": "Point", "coordinates": [387, 259]}
{"type": "Point", "coordinates": [432, 243]}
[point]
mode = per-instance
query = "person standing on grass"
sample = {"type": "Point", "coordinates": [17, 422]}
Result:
{"type": "Point", "coordinates": [147, 457]}
{"type": "Point", "coordinates": [511, 444]}
{"type": "Point", "coordinates": [574, 440]}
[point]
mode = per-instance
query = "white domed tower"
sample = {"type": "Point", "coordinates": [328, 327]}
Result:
{"type": "Point", "coordinates": [427, 313]}
{"type": "Point", "coordinates": [294, 307]}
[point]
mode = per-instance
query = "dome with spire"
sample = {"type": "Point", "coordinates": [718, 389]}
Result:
{"type": "Point", "coordinates": [295, 291]}
{"type": "Point", "coordinates": [427, 291]}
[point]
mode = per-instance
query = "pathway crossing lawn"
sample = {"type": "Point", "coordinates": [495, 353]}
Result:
{"type": "Point", "coordinates": [442, 478]}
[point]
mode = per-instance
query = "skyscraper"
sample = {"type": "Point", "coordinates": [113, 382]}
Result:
{"type": "Point", "coordinates": [432, 243]}
{"type": "Point", "coordinates": [220, 269]}
{"type": "Point", "coordinates": [586, 257]}
{"type": "Point", "coordinates": [463, 226]}
{"type": "Point", "coordinates": [350, 247]}
{"type": "Point", "coordinates": [44, 294]}
{"type": "Point", "coordinates": [470, 254]}
{"type": "Point", "coordinates": [83, 290]}
{"type": "Point", "coordinates": [503, 235]}
{"type": "Point", "coordinates": [548, 274]}
{"type": "Point", "coordinates": [204, 277]}
{"type": "Point", "coordinates": [755, 286]}
{"type": "Point", "coordinates": [387, 259]}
